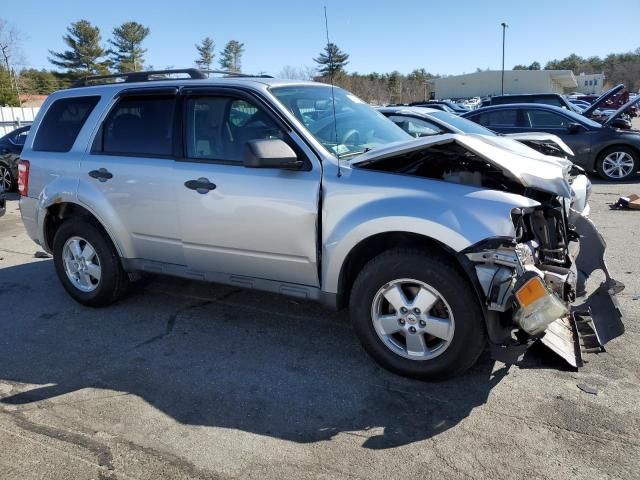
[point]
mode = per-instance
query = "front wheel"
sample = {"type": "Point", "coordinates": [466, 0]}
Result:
{"type": "Point", "coordinates": [417, 315]}
{"type": "Point", "coordinates": [617, 163]}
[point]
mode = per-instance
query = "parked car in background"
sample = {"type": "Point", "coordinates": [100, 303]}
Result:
{"type": "Point", "coordinates": [299, 188]}
{"type": "Point", "coordinates": [3, 202]}
{"type": "Point", "coordinates": [581, 104]}
{"type": "Point", "coordinates": [592, 111]}
{"type": "Point", "coordinates": [420, 121]}
{"type": "Point", "coordinates": [436, 106]}
{"type": "Point", "coordinates": [10, 148]}
{"type": "Point", "coordinates": [613, 153]}
{"type": "Point", "coordinates": [424, 121]}
{"type": "Point", "coordinates": [452, 106]}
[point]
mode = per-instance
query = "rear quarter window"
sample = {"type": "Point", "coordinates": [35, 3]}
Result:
{"type": "Point", "coordinates": [62, 123]}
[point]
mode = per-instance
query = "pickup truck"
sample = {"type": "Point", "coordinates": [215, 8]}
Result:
{"type": "Point", "coordinates": [436, 245]}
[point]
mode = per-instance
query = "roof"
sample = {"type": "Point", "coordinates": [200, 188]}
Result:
{"type": "Point", "coordinates": [406, 109]}
{"type": "Point", "coordinates": [254, 82]}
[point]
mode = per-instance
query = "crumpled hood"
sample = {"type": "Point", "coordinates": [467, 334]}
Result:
{"type": "Point", "coordinates": [542, 137]}
{"type": "Point", "coordinates": [540, 174]}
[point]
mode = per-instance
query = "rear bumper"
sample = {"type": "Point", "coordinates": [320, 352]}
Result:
{"type": "Point", "coordinates": [29, 214]}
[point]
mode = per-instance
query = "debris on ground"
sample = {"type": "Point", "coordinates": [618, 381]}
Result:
{"type": "Point", "coordinates": [631, 201]}
{"type": "Point", "coordinates": [40, 254]}
{"type": "Point", "coordinates": [587, 389]}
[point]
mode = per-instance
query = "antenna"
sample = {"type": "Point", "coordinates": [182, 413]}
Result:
{"type": "Point", "coordinates": [333, 97]}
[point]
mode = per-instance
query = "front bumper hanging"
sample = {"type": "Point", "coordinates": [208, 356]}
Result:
{"type": "Point", "coordinates": [595, 318]}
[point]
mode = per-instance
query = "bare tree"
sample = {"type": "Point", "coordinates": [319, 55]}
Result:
{"type": "Point", "coordinates": [10, 39]}
{"type": "Point", "coordinates": [289, 72]}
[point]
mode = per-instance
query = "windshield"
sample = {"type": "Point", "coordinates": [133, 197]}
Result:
{"type": "Point", "coordinates": [358, 128]}
{"type": "Point", "coordinates": [462, 124]}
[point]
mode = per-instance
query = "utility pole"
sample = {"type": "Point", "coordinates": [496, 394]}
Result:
{"type": "Point", "coordinates": [504, 29]}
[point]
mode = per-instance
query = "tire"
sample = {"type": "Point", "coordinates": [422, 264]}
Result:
{"type": "Point", "coordinates": [625, 157]}
{"type": "Point", "coordinates": [456, 300]}
{"type": "Point", "coordinates": [6, 178]}
{"type": "Point", "coordinates": [113, 281]}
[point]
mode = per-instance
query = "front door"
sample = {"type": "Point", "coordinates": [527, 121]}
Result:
{"type": "Point", "coordinates": [254, 222]}
{"type": "Point", "coordinates": [578, 138]}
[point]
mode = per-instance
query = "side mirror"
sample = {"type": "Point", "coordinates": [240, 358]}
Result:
{"type": "Point", "coordinates": [573, 128]}
{"type": "Point", "coordinates": [273, 153]}
{"type": "Point", "coordinates": [621, 123]}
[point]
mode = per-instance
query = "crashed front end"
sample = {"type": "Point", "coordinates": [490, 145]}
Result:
{"type": "Point", "coordinates": [537, 285]}
{"type": "Point", "coordinates": [535, 282]}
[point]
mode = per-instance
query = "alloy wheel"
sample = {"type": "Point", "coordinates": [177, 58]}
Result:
{"type": "Point", "coordinates": [412, 319]}
{"type": "Point", "coordinates": [618, 165]}
{"type": "Point", "coordinates": [5, 178]}
{"type": "Point", "coordinates": [81, 264]}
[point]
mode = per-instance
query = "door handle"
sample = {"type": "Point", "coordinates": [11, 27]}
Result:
{"type": "Point", "coordinates": [201, 185]}
{"type": "Point", "coordinates": [101, 174]}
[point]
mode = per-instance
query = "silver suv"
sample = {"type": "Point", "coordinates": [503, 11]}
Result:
{"type": "Point", "coordinates": [436, 245]}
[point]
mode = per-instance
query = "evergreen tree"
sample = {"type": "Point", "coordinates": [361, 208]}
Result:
{"type": "Point", "coordinates": [128, 54]}
{"type": "Point", "coordinates": [85, 54]}
{"type": "Point", "coordinates": [205, 53]}
{"type": "Point", "coordinates": [231, 56]}
{"type": "Point", "coordinates": [331, 61]}
{"type": "Point", "coordinates": [8, 96]}
{"type": "Point", "coordinates": [39, 82]}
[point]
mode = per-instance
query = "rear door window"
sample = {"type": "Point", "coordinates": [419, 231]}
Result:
{"type": "Point", "coordinates": [140, 125]}
{"type": "Point", "coordinates": [62, 123]}
{"type": "Point", "coordinates": [500, 118]}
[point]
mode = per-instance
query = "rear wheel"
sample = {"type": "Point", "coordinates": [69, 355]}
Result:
{"type": "Point", "coordinates": [6, 178]}
{"type": "Point", "coordinates": [617, 163]}
{"type": "Point", "coordinates": [417, 315]}
{"type": "Point", "coordinates": [88, 264]}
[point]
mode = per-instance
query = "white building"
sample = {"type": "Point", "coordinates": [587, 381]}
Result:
{"type": "Point", "coordinates": [488, 83]}
{"type": "Point", "coordinates": [590, 83]}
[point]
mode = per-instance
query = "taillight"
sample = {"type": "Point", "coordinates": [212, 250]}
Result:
{"type": "Point", "coordinates": [23, 177]}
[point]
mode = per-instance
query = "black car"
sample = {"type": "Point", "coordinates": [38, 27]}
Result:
{"type": "Point", "coordinates": [557, 100]}
{"type": "Point", "coordinates": [10, 148]}
{"type": "Point", "coordinates": [613, 153]}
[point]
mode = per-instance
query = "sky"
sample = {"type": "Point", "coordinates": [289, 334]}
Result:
{"type": "Point", "coordinates": [443, 37]}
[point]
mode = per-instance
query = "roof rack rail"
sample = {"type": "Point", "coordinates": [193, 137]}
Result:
{"type": "Point", "coordinates": [131, 77]}
{"type": "Point", "coordinates": [236, 74]}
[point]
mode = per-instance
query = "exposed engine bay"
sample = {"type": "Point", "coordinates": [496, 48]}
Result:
{"type": "Point", "coordinates": [450, 162]}
{"type": "Point", "coordinates": [545, 147]}
{"type": "Point", "coordinates": [534, 284]}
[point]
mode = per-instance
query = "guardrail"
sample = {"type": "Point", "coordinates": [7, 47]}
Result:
{"type": "Point", "coordinates": [14, 117]}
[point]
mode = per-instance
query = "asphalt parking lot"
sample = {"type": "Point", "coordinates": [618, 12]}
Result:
{"type": "Point", "coordinates": [188, 380]}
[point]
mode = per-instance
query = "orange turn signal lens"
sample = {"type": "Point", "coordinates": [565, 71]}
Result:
{"type": "Point", "coordinates": [531, 291]}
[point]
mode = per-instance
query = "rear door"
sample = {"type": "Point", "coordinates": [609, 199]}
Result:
{"type": "Point", "coordinates": [505, 120]}
{"type": "Point", "coordinates": [250, 222]}
{"type": "Point", "coordinates": [126, 178]}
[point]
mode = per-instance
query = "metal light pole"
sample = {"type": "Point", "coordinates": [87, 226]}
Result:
{"type": "Point", "coordinates": [504, 29]}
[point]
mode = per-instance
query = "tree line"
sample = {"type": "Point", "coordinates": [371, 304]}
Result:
{"type": "Point", "coordinates": [86, 54]}
{"type": "Point", "coordinates": [617, 67]}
